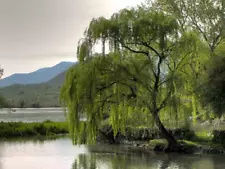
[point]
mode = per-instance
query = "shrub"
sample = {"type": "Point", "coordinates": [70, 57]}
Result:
{"type": "Point", "coordinates": [19, 129]}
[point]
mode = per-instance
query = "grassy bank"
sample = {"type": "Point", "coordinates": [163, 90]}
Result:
{"type": "Point", "coordinates": [198, 141]}
{"type": "Point", "coordinates": [193, 147]}
{"type": "Point", "coordinates": [190, 141]}
{"type": "Point", "coordinates": [21, 129]}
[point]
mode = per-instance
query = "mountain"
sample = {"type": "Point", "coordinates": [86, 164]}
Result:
{"type": "Point", "coordinates": [58, 80]}
{"type": "Point", "coordinates": [31, 95]}
{"type": "Point", "coordinates": [34, 95]}
{"type": "Point", "coordinates": [40, 76]}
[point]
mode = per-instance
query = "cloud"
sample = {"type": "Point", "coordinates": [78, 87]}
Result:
{"type": "Point", "coordinates": [36, 33]}
{"type": "Point", "coordinates": [30, 26]}
{"type": "Point", "coordinates": [44, 32]}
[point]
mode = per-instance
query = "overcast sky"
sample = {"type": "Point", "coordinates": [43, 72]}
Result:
{"type": "Point", "coordinates": [41, 33]}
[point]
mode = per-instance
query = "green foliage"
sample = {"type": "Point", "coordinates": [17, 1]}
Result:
{"type": "Point", "coordinates": [213, 87]}
{"type": "Point", "coordinates": [158, 142]}
{"type": "Point", "coordinates": [34, 95]}
{"type": "Point", "coordinates": [20, 129]}
{"type": "Point", "coordinates": [204, 16]}
{"type": "Point", "coordinates": [38, 95]}
{"type": "Point", "coordinates": [204, 136]}
{"type": "Point", "coordinates": [134, 74]}
{"type": "Point", "coordinates": [206, 19]}
{"type": "Point", "coordinates": [3, 102]}
{"type": "Point", "coordinates": [157, 52]}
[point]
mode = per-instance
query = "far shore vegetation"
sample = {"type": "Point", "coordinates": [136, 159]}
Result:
{"type": "Point", "coordinates": [22, 129]}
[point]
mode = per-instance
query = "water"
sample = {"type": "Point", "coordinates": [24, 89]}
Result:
{"type": "Point", "coordinates": [32, 114]}
{"type": "Point", "coordinates": [60, 154]}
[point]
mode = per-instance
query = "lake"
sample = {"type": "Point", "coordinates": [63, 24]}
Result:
{"type": "Point", "coordinates": [61, 154]}
{"type": "Point", "coordinates": [32, 114]}
{"type": "Point", "coordinates": [58, 115]}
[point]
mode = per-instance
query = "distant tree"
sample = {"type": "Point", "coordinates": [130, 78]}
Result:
{"type": "Point", "coordinates": [22, 104]}
{"type": "Point", "coordinates": [3, 102]}
{"type": "Point", "coordinates": [36, 105]}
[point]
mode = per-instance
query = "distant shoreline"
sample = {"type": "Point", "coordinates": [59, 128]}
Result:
{"type": "Point", "coordinates": [27, 129]}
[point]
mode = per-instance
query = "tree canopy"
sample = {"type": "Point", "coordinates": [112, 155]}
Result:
{"type": "Point", "coordinates": [213, 87]}
{"type": "Point", "coordinates": [150, 64]}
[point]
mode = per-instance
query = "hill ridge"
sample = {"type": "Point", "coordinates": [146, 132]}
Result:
{"type": "Point", "coordinates": [36, 77]}
{"type": "Point", "coordinates": [44, 94]}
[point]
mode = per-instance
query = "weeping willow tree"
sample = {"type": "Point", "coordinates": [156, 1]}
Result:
{"type": "Point", "coordinates": [142, 72]}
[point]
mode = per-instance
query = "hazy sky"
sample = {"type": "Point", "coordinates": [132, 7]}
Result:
{"type": "Point", "coordinates": [41, 33]}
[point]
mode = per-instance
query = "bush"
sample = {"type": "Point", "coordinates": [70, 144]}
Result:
{"type": "Point", "coordinates": [19, 129]}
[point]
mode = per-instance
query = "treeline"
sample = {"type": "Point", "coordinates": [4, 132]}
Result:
{"type": "Point", "coordinates": [32, 96]}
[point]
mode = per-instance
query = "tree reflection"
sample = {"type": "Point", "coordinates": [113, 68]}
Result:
{"type": "Point", "coordinates": [165, 164]}
{"type": "Point", "coordinates": [115, 161]}
{"type": "Point", "coordinates": [85, 161]}
{"type": "Point", "coordinates": [125, 160]}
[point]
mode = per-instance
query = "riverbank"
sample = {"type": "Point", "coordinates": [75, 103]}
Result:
{"type": "Point", "coordinates": [149, 139]}
{"type": "Point", "coordinates": [61, 154]}
{"type": "Point", "coordinates": [22, 129]}
{"type": "Point", "coordinates": [185, 146]}
{"type": "Point", "coordinates": [144, 138]}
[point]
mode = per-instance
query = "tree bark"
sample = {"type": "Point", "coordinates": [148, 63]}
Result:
{"type": "Point", "coordinates": [172, 143]}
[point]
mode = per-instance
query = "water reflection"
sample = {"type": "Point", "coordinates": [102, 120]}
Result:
{"type": "Point", "coordinates": [27, 154]}
{"type": "Point", "coordinates": [61, 154]}
{"type": "Point", "coordinates": [106, 161]}
{"type": "Point", "coordinates": [141, 160]}
{"type": "Point", "coordinates": [33, 114]}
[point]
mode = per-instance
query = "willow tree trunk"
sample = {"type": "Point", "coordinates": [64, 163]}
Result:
{"type": "Point", "coordinates": [172, 143]}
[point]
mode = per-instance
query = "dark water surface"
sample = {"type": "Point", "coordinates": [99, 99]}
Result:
{"type": "Point", "coordinates": [61, 154]}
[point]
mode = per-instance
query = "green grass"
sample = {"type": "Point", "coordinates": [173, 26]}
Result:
{"type": "Point", "coordinates": [187, 143]}
{"type": "Point", "coordinates": [20, 129]}
{"type": "Point", "coordinates": [187, 146]}
{"type": "Point", "coordinates": [163, 142]}
{"type": "Point", "coordinates": [160, 142]}
{"type": "Point", "coordinates": [190, 144]}
{"type": "Point", "coordinates": [203, 136]}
